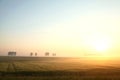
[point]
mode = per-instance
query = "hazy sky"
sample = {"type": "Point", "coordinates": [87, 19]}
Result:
{"type": "Point", "coordinates": [65, 27]}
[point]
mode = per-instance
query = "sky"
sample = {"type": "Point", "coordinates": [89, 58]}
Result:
{"type": "Point", "coordinates": [65, 27]}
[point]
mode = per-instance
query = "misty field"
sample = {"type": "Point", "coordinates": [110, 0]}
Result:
{"type": "Point", "coordinates": [56, 68]}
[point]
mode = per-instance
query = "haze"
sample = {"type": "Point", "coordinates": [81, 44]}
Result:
{"type": "Point", "coordinates": [65, 27]}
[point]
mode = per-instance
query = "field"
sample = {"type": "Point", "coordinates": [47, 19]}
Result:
{"type": "Point", "coordinates": [58, 68]}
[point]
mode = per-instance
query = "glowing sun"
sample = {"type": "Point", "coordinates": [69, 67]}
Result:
{"type": "Point", "coordinates": [99, 42]}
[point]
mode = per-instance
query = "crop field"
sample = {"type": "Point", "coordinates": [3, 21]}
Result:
{"type": "Point", "coordinates": [56, 68]}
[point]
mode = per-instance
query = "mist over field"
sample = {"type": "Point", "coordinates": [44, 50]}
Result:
{"type": "Point", "coordinates": [59, 40]}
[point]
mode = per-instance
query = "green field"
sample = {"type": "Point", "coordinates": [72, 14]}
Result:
{"type": "Point", "coordinates": [56, 68]}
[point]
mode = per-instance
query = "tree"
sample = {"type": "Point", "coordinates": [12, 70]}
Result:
{"type": "Point", "coordinates": [47, 54]}
{"type": "Point", "coordinates": [35, 54]}
{"type": "Point", "coordinates": [54, 54]}
{"type": "Point", "coordinates": [31, 54]}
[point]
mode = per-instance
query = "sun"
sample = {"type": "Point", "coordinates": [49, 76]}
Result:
{"type": "Point", "coordinates": [98, 45]}
{"type": "Point", "coordinates": [101, 47]}
{"type": "Point", "coordinates": [98, 42]}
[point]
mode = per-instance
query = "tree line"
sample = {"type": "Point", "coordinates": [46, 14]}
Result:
{"type": "Point", "coordinates": [46, 54]}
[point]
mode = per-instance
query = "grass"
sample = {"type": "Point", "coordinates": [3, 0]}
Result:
{"type": "Point", "coordinates": [45, 68]}
{"type": "Point", "coordinates": [3, 66]}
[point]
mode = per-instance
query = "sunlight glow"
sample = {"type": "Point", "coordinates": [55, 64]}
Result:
{"type": "Point", "coordinates": [99, 43]}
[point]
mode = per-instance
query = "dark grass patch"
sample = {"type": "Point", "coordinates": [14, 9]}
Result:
{"type": "Point", "coordinates": [91, 72]}
{"type": "Point", "coordinates": [70, 77]}
{"type": "Point", "coordinates": [42, 73]}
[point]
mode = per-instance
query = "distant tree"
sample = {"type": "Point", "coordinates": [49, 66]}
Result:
{"type": "Point", "coordinates": [11, 53]}
{"type": "Point", "coordinates": [54, 54]}
{"type": "Point", "coordinates": [35, 54]}
{"type": "Point", "coordinates": [31, 54]}
{"type": "Point", "coordinates": [47, 54]}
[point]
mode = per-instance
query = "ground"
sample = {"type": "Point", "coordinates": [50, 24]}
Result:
{"type": "Point", "coordinates": [57, 68]}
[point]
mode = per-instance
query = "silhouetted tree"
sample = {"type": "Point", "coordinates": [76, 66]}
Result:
{"type": "Point", "coordinates": [31, 54]}
{"type": "Point", "coordinates": [54, 54]}
{"type": "Point", "coordinates": [35, 54]}
{"type": "Point", "coordinates": [47, 54]}
{"type": "Point", "coordinates": [11, 53]}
